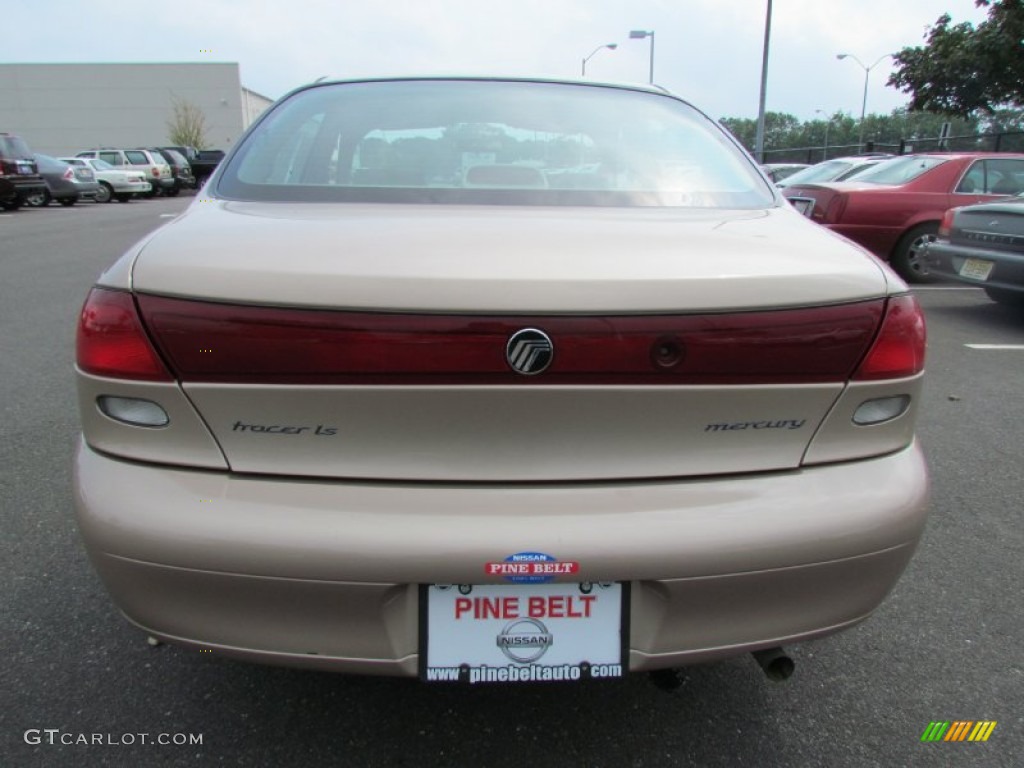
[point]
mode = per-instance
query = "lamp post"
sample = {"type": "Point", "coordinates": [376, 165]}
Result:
{"type": "Point", "coordinates": [640, 34]}
{"type": "Point", "coordinates": [759, 137]}
{"type": "Point", "coordinates": [609, 46]}
{"type": "Point", "coordinates": [867, 71]}
{"type": "Point", "coordinates": [824, 153]}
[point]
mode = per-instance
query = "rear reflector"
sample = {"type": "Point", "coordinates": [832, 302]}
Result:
{"type": "Point", "coordinates": [899, 350]}
{"type": "Point", "coordinates": [132, 410]}
{"type": "Point", "coordinates": [111, 341]}
{"type": "Point", "coordinates": [208, 342]}
{"type": "Point", "coordinates": [880, 410]}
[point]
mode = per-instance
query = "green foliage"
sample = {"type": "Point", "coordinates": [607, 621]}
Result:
{"type": "Point", "coordinates": [806, 141]}
{"type": "Point", "coordinates": [962, 69]}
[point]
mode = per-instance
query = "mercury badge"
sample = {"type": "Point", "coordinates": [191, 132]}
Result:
{"type": "Point", "coordinates": [529, 351]}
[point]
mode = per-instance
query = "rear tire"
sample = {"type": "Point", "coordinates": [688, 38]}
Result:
{"type": "Point", "coordinates": [67, 202]}
{"type": "Point", "coordinates": [1005, 297]}
{"type": "Point", "coordinates": [105, 193]}
{"type": "Point", "coordinates": [38, 199]}
{"type": "Point", "coordinates": [908, 256]}
{"type": "Point", "coordinates": [124, 198]}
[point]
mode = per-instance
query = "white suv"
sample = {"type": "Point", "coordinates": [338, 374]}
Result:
{"type": "Point", "coordinates": [158, 172]}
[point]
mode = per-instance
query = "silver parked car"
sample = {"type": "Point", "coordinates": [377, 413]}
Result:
{"type": "Point", "coordinates": [65, 183]}
{"type": "Point", "coordinates": [836, 169]}
{"type": "Point", "coordinates": [493, 380]}
{"type": "Point", "coordinates": [115, 183]}
{"type": "Point", "coordinates": [157, 170]}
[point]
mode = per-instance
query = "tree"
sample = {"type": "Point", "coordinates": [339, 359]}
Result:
{"type": "Point", "coordinates": [964, 70]}
{"type": "Point", "coordinates": [187, 125]}
{"type": "Point", "coordinates": [781, 130]}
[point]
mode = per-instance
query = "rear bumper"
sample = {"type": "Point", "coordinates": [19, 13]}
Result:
{"type": "Point", "coordinates": [25, 186]}
{"type": "Point", "coordinates": [943, 258]}
{"type": "Point", "coordinates": [126, 188]}
{"type": "Point", "coordinates": [323, 574]}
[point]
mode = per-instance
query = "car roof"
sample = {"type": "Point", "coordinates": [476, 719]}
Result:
{"type": "Point", "coordinates": [627, 86]}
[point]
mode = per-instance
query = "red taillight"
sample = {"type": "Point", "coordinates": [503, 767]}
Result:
{"type": "Point", "coordinates": [899, 349]}
{"type": "Point", "coordinates": [209, 342]}
{"type": "Point", "coordinates": [111, 341]}
{"type": "Point", "coordinates": [947, 223]}
{"type": "Point", "coordinates": [156, 172]}
{"type": "Point", "coordinates": [69, 174]}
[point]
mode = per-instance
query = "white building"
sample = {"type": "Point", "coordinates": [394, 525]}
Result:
{"type": "Point", "coordinates": [60, 109]}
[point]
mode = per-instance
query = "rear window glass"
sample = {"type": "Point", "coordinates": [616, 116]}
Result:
{"type": "Point", "coordinates": [491, 142]}
{"type": "Point", "coordinates": [824, 171]}
{"type": "Point", "coordinates": [12, 146]}
{"type": "Point", "coordinates": [899, 170]}
{"type": "Point", "coordinates": [49, 164]}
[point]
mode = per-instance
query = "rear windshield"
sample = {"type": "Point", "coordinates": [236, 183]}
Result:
{"type": "Point", "coordinates": [14, 147]}
{"type": "Point", "coordinates": [825, 171]}
{"type": "Point", "coordinates": [899, 170]}
{"type": "Point", "coordinates": [50, 164]}
{"type": "Point", "coordinates": [491, 142]}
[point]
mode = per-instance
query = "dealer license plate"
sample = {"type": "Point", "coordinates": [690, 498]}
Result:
{"type": "Point", "coordinates": [509, 633]}
{"type": "Point", "coordinates": [976, 269]}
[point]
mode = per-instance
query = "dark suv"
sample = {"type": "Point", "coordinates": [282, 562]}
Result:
{"type": "Point", "coordinates": [19, 174]}
{"type": "Point", "coordinates": [183, 178]}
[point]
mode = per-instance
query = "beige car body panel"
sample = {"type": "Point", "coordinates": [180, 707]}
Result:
{"type": "Point", "coordinates": [486, 259]}
{"type": "Point", "coordinates": [318, 572]}
{"type": "Point", "coordinates": [489, 434]}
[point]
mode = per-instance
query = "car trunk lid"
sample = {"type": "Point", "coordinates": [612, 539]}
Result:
{"type": "Point", "coordinates": [385, 346]}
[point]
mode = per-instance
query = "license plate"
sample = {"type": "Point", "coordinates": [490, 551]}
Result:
{"type": "Point", "coordinates": [802, 204]}
{"type": "Point", "coordinates": [521, 633]}
{"type": "Point", "coordinates": [976, 269]}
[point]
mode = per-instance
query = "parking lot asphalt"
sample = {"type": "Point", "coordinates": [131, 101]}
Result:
{"type": "Point", "coordinates": [945, 646]}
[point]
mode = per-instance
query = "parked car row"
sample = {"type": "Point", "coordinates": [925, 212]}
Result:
{"type": "Point", "coordinates": [105, 174]}
{"type": "Point", "coordinates": [894, 209]}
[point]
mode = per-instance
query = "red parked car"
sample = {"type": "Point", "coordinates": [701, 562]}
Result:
{"type": "Point", "coordinates": [895, 208]}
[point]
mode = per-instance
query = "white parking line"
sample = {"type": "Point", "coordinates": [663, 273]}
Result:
{"type": "Point", "coordinates": [1016, 347]}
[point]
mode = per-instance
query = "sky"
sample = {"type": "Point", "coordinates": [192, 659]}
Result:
{"type": "Point", "coordinates": [707, 51]}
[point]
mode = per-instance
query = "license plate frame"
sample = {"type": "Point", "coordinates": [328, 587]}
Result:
{"type": "Point", "coordinates": [523, 633]}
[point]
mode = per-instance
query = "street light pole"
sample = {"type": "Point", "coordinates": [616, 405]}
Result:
{"type": "Point", "coordinates": [640, 34]}
{"type": "Point", "coordinates": [759, 137]}
{"type": "Point", "coordinates": [864, 101]}
{"type": "Point", "coordinates": [609, 46]}
{"type": "Point", "coordinates": [824, 153]}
